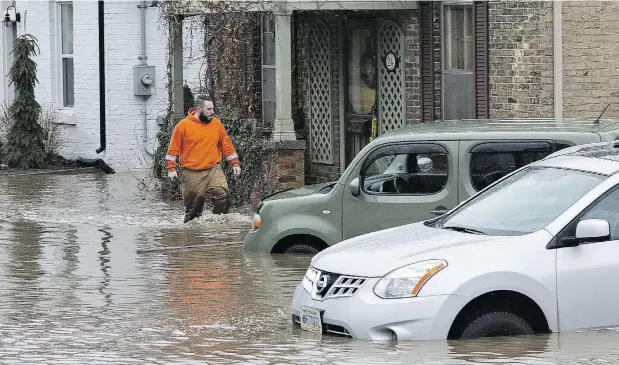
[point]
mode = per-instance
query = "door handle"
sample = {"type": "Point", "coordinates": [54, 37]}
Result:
{"type": "Point", "coordinates": [439, 211]}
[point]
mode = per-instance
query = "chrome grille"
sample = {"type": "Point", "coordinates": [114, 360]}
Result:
{"type": "Point", "coordinates": [345, 286]}
{"type": "Point", "coordinates": [323, 285]}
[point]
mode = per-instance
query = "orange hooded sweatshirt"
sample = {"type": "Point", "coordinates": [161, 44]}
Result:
{"type": "Point", "coordinates": [200, 145]}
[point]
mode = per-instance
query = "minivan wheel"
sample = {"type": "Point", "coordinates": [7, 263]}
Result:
{"type": "Point", "coordinates": [302, 249]}
{"type": "Point", "coordinates": [498, 323]}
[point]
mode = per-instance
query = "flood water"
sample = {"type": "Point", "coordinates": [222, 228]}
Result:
{"type": "Point", "coordinates": [96, 269]}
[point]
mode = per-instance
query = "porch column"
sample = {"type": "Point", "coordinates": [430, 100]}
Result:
{"type": "Point", "coordinates": [284, 126]}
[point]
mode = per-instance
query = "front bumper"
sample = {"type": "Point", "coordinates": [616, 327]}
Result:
{"type": "Point", "coordinates": [255, 241]}
{"type": "Point", "coordinates": [366, 316]}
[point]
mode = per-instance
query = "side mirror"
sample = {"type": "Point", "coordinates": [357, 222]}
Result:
{"type": "Point", "coordinates": [425, 164]}
{"type": "Point", "coordinates": [589, 230]}
{"type": "Point", "coordinates": [354, 186]}
{"type": "Point", "coordinates": [593, 230]}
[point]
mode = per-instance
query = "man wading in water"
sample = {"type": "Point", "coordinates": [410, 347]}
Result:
{"type": "Point", "coordinates": [200, 140]}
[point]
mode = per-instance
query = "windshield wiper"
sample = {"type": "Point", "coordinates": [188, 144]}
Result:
{"type": "Point", "coordinates": [463, 229]}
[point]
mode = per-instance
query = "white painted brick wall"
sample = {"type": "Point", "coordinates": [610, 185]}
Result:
{"type": "Point", "coordinates": [126, 148]}
{"type": "Point", "coordinates": [5, 57]}
{"type": "Point", "coordinates": [125, 125]}
{"type": "Point", "coordinates": [36, 20]}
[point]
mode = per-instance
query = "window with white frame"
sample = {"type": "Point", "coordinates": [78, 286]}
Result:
{"type": "Point", "coordinates": [268, 68]}
{"type": "Point", "coordinates": [66, 53]}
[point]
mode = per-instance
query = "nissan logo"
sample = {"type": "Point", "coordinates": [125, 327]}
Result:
{"type": "Point", "coordinates": [322, 284]}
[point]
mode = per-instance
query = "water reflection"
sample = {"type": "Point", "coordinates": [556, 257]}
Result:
{"type": "Point", "coordinates": [104, 262]}
{"type": "Point", "coordinates": [93, 270]}
{"type": "Point", "coordinates": [486, 349]}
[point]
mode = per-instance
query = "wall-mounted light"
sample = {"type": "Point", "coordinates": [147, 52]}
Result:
{"type": "Point", "coordinates": [11, 16]}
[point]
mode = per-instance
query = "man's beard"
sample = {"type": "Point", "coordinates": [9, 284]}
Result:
{"type": "Point", "coordinates": [204, 118]}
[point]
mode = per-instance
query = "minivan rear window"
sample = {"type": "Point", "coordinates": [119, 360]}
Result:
{"type": "Point", "coordinates": [492, 160]}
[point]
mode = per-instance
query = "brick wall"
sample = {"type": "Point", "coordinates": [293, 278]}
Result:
{"type": "Point", "coordinates": [590, 58]}
{"type": "Point", "coordinates": [289, 164]}
{"type": "Point", "coordinates": [40, 28]}
{"type": "Point", "coordinates": [409, 21]}
{"type": "Point", "coordinates": [521, 58]}
{"type": "Point", "coordinates": [438, 67]}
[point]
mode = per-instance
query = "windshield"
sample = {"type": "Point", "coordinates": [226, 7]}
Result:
{"type": "Point", "coordinates": [523, 203]}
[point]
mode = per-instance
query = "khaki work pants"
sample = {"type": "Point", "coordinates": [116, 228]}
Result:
{"type": "Point", "coordinates": [196, 186]}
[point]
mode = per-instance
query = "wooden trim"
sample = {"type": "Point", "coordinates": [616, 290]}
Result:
{"type": "Point", "coordinates": [480, 76]}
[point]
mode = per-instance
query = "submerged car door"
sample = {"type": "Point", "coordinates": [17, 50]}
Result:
{"type": "Point", "coordinates": [400, 183]}
{"type": "Point", "coordinates": [587, 289]}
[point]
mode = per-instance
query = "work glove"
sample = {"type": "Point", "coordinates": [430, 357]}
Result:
{"type": "Point", "coordinates": [236, 170]}
{"type": "Point", "coordinates": [172, 175]}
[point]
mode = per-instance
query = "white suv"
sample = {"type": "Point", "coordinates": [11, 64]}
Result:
{"type": "Point", "coordinates": [537, 251]}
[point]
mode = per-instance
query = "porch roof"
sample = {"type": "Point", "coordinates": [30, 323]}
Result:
{"type": "Point", "coordinates": [192, 7]}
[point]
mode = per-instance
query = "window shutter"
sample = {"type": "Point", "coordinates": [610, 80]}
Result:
{"type": "Point", "coordinates": [480, 75]}
{"type": "Point", "coordinates": [427, 62]}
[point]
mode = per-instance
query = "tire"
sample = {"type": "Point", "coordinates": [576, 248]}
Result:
{"type": "Point", "coordinates": [302, 249]}
{"type": "Point", "coordinates": [498, 323]}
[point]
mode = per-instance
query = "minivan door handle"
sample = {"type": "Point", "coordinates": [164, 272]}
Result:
{"type": "Point", "coordinates": [439, 211]}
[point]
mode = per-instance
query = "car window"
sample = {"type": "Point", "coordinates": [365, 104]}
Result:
{"type": "Point", "coordinates": [607, 209]}
{"type": "Point", "coordinates": [524, 202]}
{"type": "Point", "coordinates": [415, 171]}
{"type": "Point", "coordinates": [493, 160]}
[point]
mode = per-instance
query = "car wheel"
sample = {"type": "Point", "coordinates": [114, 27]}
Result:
{"type": "Point", "coordinates": [497, 323]}
{"type": "Point", "coordinates": [302, 248]}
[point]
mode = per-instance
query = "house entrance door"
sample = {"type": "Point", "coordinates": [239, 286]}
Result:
{"type": "Point", "coordinates": [361, 84]}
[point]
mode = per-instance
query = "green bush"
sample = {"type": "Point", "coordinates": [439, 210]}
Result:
{"type": "Point", "coordinates": [24, 146]}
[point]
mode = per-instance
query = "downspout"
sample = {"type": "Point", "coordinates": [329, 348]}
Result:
{"type": "Point", "coordinates": [557, 16]}
{"type": "Point", "coordinates": [142, 57]}
{"type": "Point", "coordinates": [101, 78]}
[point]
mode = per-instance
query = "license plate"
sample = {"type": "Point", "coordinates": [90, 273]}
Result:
{"type": "Point", "coordinates": [311, 320]}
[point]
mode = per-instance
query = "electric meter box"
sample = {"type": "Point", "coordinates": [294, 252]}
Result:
{"type": "Point", "coordinates": [143, 80]}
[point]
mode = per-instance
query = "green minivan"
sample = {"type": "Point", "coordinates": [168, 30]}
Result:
{"type": "Point", "coordinates": [409, 175]}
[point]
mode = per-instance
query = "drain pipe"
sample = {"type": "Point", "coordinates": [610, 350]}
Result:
{"type": "Point", "coordinates": [142, 57]}
{"type": "Point", "coordinates": [101, 78]}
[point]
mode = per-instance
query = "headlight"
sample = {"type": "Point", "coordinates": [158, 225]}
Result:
{"type": "Point", "coordinates": [256, 222]}
{"type": "Point", "coordinates": [406, 281]}
{"type": "Point", "coordinates": [311, 275]}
